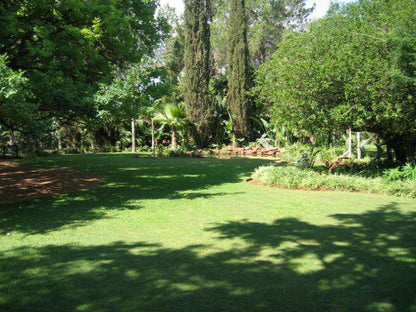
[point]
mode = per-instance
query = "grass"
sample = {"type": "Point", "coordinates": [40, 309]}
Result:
{"type": "Point", "coordinates": [192, 235]}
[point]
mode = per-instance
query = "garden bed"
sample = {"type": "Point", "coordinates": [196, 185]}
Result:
{"type": "Point", "coordinates": [18, 182]}
{"type": "Point", "coordinates": [290, 177]}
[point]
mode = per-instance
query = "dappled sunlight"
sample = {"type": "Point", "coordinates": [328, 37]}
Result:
{"type": "Point", "coordinates": [20, 183]}
{"type": "Point", "coordinates": [285, 265]}
{"type": "Point", "coordinates": [129, 182]}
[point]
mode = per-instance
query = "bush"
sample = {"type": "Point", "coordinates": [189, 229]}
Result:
{"type": "Point", "coordinates": [56, 152]}
{"type": "Point", "coordinates": [407, 172]}
{"type": "Point", "coordinates": [144, 148]}
{"type": "Point", "coordinates": [303, 156]}
{"type": "Point", "coordinates": [293, 177]}
{"type": "Point", "coordinates": [70, 150]}
{"type": "Point", "coordinates": [180, 152]}
{"type": "Point", "coordinates": [326, 155]}
{"type": "Point", "coordinates": [108, 149]}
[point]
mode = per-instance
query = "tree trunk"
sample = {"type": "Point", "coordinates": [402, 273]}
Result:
{"type": "Point", "coordinates": [389, 154]}
{"type": "Point", "coordinates": [358, 145]}
{"type": "Point", "coordinates": [403, 147]}
{"type": "Point", "coordinates": [173, 140]}
{"type": "Point", "coordinates": [234, 141]}
{"type": "Point", "coordinates": [379, 150]}
{"type": "Point", "coordinates": [133, 135]}
{"type": "Point", "coordinates": [349, 142]}
{"type": "Point", "coordinates": [401, 155]}
{"type": "Point", "coordinates": [153, 138]}
{"type": "Point", "coordinates": [13, 144]}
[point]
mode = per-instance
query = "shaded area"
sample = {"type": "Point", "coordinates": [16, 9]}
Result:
{"type": "Point", "coordinates": [364, 263]}
{"type": "Point", "coordinates": [18, 182]}
{"type": "Point", "coordinates": [128, 181]}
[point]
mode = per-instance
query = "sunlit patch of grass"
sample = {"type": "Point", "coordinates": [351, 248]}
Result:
{"type": "Point", "coordinates": [192, 235]}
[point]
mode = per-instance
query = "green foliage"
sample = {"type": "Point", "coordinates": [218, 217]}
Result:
{"type": "Point", "coordinates": [179, 152]}
{"type": "Point", "coordinates": [65, 50]}
{"type": "Point", "coordinates": [307, 157]}
{"type": "Point", "coordinates": [70, 150]}
{"type": "Point", "coordinates": [174, 117]}
{"type": "Point", "coordinates": [270, 132]}
{"type": "Point", "coordinates": [238, 70]}
{"type": "Point", "coordinates": [174, 47]}
{"type": "Point", "coordinates": [329, 155]}
{"type": "Point", "coordinates": [132, 94]}
{"type": "Point", "coordinates": [409, 171]}
{"type": "Point", "coordinates": [190, 234]}
{"type": "Point", "coordinates": [406, 172]}
{"type": "Point", "coordinates": [293, 177]}
{"type": "Point", "coordinates": [354, 68]}
{"type": "Point", "coordinates": [267, 19]}
{"type": "Point", "coordinates": [199, 105]}
{"type": "Point", "coordinates": [15, 109]}
{"type": "Point", "coordinates": [303, 156]}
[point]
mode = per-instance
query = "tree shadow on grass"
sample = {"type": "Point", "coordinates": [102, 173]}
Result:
{"type": "Point", "coordinates": [364, 263]}
{"type": "Point", "coordinates": [128, 181]}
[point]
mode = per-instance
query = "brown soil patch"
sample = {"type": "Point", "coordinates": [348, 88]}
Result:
{"type": "Point", "coordinates": [21, 183]}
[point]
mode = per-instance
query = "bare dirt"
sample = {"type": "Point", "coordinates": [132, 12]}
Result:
{"type": "Point", "coordinates": [18, 182]}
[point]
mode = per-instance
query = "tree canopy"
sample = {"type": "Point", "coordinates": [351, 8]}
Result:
{"type": "Point", "coordinates": [354, 68]}
{"type": "Point", "coordinates": [198, 68]}
{"type": "Point", "coordinates": [84, 75]}
{"type": "Point", "coordinates": [238, 70]}
{"type": "Point", "coordinates": [65, 48]}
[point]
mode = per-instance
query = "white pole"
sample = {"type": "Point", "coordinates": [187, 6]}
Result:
{"type": "Point", "coordinates": [349, 142]}
{"type": "Point", "coordinates": [153, 138]}
{"type": "Point", "coordinates": [358, 145]}
{"type": "Point", "coordinates": [133, 135]}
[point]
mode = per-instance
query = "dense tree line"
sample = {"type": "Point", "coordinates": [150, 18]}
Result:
{"type": "Point", "coordinates": [238, 70]}
{"type": "Point", "coordinates": [353, 69]}
{"type": "Point", "coordinates": [197, 56]}
{"type": "Point", "coordinates": [95, 75]}
{"type": "Point", "coordinates": [64, 50]}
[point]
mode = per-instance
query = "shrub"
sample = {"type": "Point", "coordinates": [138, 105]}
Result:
{"type": "Point", "coordinates": [330, 154]}
{"type": "Point", "coordinates": [162, 151]}
{"type": "Point", "coordinates": [392, 174]}
{"type": "Point", "coordinates": [303, 156]}
{"type": "Point", "coordinates": [70, 150]}
{"type": "Point", "coordinates": [407, 172]}
{"type": "Point", "coordinates": [108, 149]}
{"type": "Point", "coordinates": [293, 177]}
{"type": "Point", "coordinates": [56, 152]}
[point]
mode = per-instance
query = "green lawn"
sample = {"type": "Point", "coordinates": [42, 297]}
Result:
{"type": "Point", "coordinates": [192, 235]}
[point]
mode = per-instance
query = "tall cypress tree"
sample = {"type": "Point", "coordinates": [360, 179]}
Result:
{"type": "Point", "coordinates": [238, 70]}
{"type": "Point", "coordinates": [198, 68]}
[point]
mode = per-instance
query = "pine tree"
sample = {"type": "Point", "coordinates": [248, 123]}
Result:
{"type": "Point", "coordinates": [198, 68]}
{"type": "Point", "coordinates": [238, 68]}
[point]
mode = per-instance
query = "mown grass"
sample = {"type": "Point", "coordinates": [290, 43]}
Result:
{"type": "Point", "coordinates": [192, 235]}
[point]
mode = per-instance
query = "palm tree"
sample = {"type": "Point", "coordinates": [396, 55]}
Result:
{"type": "Point", "coordinates": [173, 116]}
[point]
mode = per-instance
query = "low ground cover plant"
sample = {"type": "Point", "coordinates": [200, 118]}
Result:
{"type": "Point", "coordinates": [299, 178]}
{"type": "Point", "coordinates": [406, 172]}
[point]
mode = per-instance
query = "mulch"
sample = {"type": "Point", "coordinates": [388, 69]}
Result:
{"type": "Point", "coordinates": [18, 183]}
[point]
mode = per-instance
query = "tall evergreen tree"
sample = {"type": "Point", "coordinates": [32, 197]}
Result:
{"type": "Point", "coordinates": [238, 68]}
{"type": "Point", "coordinates": [198, 68]}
